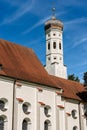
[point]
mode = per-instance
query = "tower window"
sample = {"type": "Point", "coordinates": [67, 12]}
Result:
{"type": "Point", "coordinates": [54, 34]}
{"type": "Point", "coordinates": [49, 46]}
{"type": "Point", "coordinates": [48, 58]}
{"type": "Point", "coordinates": [49, 35]}
{"type": "Point", "coordinates": [55, 58]}
{"type": "Point", "coordinates": [60, 46]}
{"type": "Point", "coordinates": [54, 45]}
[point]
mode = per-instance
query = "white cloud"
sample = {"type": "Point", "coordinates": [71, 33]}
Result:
{"type": "Point", "coordinates": [76, 21]}
{"type": "Point", "coordinates": [81, 64]}
{"type": "Point", "coordinates": [80, 41]}
{"type": "Point", "coordinates": [79, 37]}
{"type": "Point", "coordinates": [36, 25]}
{"type": "Point", "coordinates": [78, 65]}
{"type": "Point", "coordinates": [22, 9]}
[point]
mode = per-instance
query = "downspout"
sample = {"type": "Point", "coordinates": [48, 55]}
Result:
{"type": "Point", "coordinates": [80, 117]}
{"type": "Point", "coordinates": [13, 104]}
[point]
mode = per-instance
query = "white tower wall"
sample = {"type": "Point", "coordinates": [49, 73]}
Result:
{"type": "Point", "coordinates": [54, 48]}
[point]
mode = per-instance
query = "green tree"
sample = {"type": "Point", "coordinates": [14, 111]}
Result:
{"type": "Point", "coordinates": [73, 77]}
{"type": "Point", "coordinates": [85, 78]}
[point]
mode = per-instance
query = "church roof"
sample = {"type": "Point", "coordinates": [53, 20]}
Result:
{"type": "Point", "coordinates": [71, 89]}
{"type": "Point", "coordinates": [21, 63]}
{"type": "Point", "coordinates": [54, 21]}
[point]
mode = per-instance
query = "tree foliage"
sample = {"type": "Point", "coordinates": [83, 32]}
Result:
{"type": "Point", "coordinates": [73, 77]}
{"type": "Point", "coordinates": [85, 78]}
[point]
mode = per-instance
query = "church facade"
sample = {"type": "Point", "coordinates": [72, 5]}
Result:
{"type": "Point", "coordinates": [32, 98]}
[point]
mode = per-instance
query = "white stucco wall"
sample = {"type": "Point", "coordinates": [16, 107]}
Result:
{"type": "Point", "coordinates": [39, 97]}
{"type": "Point", "coordinates": [71, 122]}
{"type": "Point", "coordinates": [43, 97]}
{"type": "Point", "coordinates": [28, 94]}
{"type": "Point", "coordinates": [58, 70]}
{"type": "Point", "coordinates": [6, 92]}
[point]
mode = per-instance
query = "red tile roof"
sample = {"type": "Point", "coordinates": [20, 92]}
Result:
{"type": "Point", "coordinates": [21, 63]}
{"type": "Point", "coordinates": [70, 88]}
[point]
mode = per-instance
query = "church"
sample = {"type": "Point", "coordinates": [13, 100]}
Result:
{"type": "Point", "coordinates": [34, 97]}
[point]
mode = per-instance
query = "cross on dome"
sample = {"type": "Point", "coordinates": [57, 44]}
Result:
{"type": "Point", "coordinates": [53, 13]}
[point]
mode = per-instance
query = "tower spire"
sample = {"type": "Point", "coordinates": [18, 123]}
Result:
{"type": "Point", "coordinates": [53, 13]}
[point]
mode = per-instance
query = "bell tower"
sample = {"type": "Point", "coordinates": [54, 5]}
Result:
{"type": "Point", "coordinates": [54, 47]}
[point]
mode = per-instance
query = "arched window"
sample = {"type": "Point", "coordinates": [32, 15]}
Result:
{"type": "Point", "coordinates": [75, 128]}
{"type": "Point", "coordinates": [26, 107]}
{"type": "Point", "coordinates": [49, 46]}
{"type": "Point", "coordinates": [48, 58]}
{"type": "Point", "coordinates": [54, 45]}
{"type": "Point", "coordinates": [3, 104]}
{"type": "Point", "coordinates": [54, 34]}
{"type": "Point", "coordinates": [1, 123]}
{"type": "Point", "coordinates": [47, 125]}
{"type": "Point", "coordinates": [74, 114]}
{"type": "Point", "coordinates": [26, 124]}
{"type": "Point", "coordinates": [47, 111]}
{"type": "Point", "coordinates": [49, 35]}
{"type": "Point", "coordinates": [60, 46]}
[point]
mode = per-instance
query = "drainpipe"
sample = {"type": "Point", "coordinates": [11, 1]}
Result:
{"type": "Point", "coordinates": [13, 104]}
{"type": "Point", "coordinates": [80, 116]}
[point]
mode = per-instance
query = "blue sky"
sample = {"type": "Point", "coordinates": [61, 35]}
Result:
{"type": "Point", "coordinates": [22, 22]}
